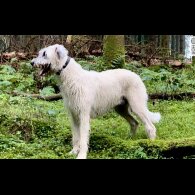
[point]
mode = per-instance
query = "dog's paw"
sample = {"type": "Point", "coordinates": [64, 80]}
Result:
{"type": "Point", "coordinates": [74, 152]}
{"type": "Point", "coordinates": [152, 136]}
{"type": "Point", "coordinates": [82, 156]}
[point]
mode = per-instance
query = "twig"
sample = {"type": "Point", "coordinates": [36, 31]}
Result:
{"type": "Point", "coordinates": [58, 96]}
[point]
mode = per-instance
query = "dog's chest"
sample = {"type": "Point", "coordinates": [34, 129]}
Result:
{"type": "Point", "coordinates": [73, 99]}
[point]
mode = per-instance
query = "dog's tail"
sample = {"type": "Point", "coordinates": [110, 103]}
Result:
{"type": "Point", "coordinates": [154, 116]}
{"type": "Point", "coordinates": [138, 98]}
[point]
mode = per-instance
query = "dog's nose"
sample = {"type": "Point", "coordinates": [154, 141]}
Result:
{"type": "Point", "coordinates": [32, 63]}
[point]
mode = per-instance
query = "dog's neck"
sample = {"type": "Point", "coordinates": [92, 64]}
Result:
{"type": "Point", "coordinates": [64, 66]}
{"type": "Point", "coordinates": [72, 72]}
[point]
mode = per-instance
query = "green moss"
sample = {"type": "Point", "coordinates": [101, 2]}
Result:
{"type": "Point", "coordinates": [31, 128]}
{"type": "Point", "coordinates": [114, 51]}
{"type": "Point", "coordinates": [50, 135]}
{"type": "Point", "coordinates": [118, 148]}
{"type": "Point", "coordinates": [193, 59]}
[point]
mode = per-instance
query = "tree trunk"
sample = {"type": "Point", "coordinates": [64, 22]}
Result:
{"type": "Point", "coordinates": [177, 45]}
{"type": "Point", "coordinates": [173, 45]}
{"type": "Point", "coordinates": [69, 39]}
{"type": "Point", "coordinates": [165, 44]}
{"type": "Point", "coordinates": [193, 60]}
{"type": "Point", "coordinates": [153, 41]}
{"type": "Point", "coordinates": [182, 44]}
{"type": "Point", "coordinates": [114, 51]}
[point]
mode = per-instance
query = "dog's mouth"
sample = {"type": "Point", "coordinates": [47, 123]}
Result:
{"type": "Point", "coordinates": [45, 69]}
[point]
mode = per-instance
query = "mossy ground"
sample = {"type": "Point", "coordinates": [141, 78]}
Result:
{"type": "Point", "coordinates": [39, 129]}
{"type": "Point", "coordinates": [31, 128]}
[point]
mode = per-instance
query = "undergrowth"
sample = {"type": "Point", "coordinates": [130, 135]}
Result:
{"type": "Point", "coordinates": [31, 128]}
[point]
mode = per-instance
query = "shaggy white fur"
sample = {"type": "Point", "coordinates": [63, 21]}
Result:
{"type": "Point", "coordinates": [88, 94]}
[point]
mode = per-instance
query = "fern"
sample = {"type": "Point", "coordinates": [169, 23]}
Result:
{"type": "Point", "coordinates": [6, 69]}
{"type": "Point", "coordinates": [47, 91]}
{"type": "Point", "coordinates": [118, 62]}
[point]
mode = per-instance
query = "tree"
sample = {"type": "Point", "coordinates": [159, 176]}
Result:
{"type": "Point", "coordinates": [114, 51]}
{"type": "Point", "coordinates": [173, 46]}
{"type": "Point", "coordinates": [165, 44]}
{"type": "Point", "coordinates": [69, 39]}
{"type": "Point", "coordinates": [177, 44]}
{"type": "Point", "coordinates": [182, 44]}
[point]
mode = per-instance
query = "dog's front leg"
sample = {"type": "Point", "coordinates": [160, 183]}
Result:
{"type": "Point", "coordinates": [75, 135]}
{"type": "Point", "coordinates": [84, 135]}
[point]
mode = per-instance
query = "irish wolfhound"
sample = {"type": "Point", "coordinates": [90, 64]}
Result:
{"type": "Point", "coordinates": [88, 94]}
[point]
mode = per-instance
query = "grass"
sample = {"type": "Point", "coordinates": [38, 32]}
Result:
{"type": "Point", "coordinates": [50, 135]}
{"type": "Point", "coordinates": [31, 128]}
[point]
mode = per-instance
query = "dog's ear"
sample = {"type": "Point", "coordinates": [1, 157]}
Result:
{"type": "Point", "coordinates": [58, 53]}
{"type": "Point", "coordinates": [61, 51]}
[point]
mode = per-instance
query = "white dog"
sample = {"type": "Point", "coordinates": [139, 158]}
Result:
{"type": "Point", "coordinates": [88, 94]}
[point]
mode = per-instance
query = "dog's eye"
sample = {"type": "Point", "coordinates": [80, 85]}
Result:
{"type": "Point", "coordinates": [44, 54]}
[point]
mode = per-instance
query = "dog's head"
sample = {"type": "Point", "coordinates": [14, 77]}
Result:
{"type": "Point", "coordinates": [50, 58]}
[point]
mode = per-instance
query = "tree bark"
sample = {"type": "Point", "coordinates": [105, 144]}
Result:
{"type": "Point", "coordinates": [114, 51]}
{"type": "Point", "coordinates": [182, 44]}
{"type": "Point", "coordinates": [177, 45]}
{"type": "Point", "coordinates": [165, 44]}
{"type": "Point", "coordinates": [69, 39]}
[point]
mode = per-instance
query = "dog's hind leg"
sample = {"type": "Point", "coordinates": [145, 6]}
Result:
{"type": "Point", "coordinates": [123, 111]}
{"type": "Point", "coordinates": [84, 135]}
{"type": "Point", "coordinates": [138, 104]}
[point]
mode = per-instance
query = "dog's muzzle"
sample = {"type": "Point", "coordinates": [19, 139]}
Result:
{"type": "Point", "coordinates": [45, 69]}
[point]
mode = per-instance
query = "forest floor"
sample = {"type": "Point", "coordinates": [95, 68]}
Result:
{"type": "Point", "coordinates": [33, 128]}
